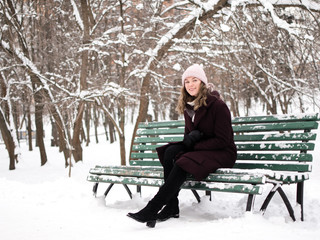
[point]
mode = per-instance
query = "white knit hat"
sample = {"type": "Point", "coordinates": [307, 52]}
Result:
{"type": "Point", "coordinates": [195, 70]}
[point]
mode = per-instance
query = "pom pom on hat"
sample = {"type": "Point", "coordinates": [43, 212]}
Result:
{"type": "Point", "coordinates": [197, 71]}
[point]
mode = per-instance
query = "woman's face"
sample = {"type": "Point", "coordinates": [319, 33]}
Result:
{"type": "Point", "coordinates": [192, 85]}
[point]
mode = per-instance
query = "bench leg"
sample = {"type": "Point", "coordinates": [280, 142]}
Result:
{"type": "Point", "coordinates": [108, 189]}
{"type": "Point", "coordinates": [111, 185]}
{"type": "Point", "coordinates": [250, 202]}
{"type": "Point", "coordinates": [128, 190]}
{"type": "Point", "coordinates": [208, 193]}
{"type": "Point", "coordinates": [139, 189]}
{"type": "Point", "coordinates": [288, 205]}
{"type": "Point", "coordinates": [95, 189]}
{"type": "Point", "coordinates": [300, 187]}
{"type": "Point", "coordinates": [196, 195]}
{"type": "Point", "coordinates": [266, 202]}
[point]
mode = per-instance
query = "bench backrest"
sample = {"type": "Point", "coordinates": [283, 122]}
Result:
{"type": "Point", "coordinates": [278, 143]}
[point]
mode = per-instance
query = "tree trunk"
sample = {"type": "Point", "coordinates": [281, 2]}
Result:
{"type": "Point", "coordinates": [38, 122]}
{"type": "Point", "coordinates": [105, 125]}
{"type": "Point", "coordinates": [6, 133]}
{"type": "Point", "coordinates": [143, 107]}
{"type": "Point", "coordinates": [29, 129]}
{"type": "Point", "coordinates": [54, 134]}
{"type": "Point", "coordinates": [15, 116]}
{"type": "Point", "coordinates": [122, 136]}
{"type": "Point", "coordinates": [122, 100]}
{"type": "Point", "coordinates": [174, 102]}
{"type": "Point", "coordinates": [87, 122]}
{"type": "Point", "coordinates": [111, 132]}
{"type": "Point", "coordinates": [76, 143]}
{"type": "Point", "coordinates": [96, 123]}
{"type": "Point", "coordinates": [8, 141]}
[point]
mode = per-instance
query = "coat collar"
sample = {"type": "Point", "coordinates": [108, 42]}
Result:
{"type": "Point", "coordinates": [201, 112]}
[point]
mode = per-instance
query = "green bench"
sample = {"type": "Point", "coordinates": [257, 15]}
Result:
{"type": "Point", "coordinates": [272, 151]}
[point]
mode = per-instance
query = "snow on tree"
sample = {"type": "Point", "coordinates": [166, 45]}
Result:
{"type": "Point", "coordinates": [97, 61]}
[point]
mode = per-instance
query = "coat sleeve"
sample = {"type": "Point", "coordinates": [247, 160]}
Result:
{"type": "Point", "coordinates": [223, 132]}
{"type": "Point", "coordinates": [161, 150]}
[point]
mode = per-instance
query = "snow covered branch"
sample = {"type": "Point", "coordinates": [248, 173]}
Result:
{"type": "Point", "coordinates": [77, 16]}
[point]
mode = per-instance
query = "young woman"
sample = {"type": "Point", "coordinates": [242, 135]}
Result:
{"type": "Point", "coordinates": [207, 145]}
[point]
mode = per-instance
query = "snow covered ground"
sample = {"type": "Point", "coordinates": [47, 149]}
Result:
{"type": "Point", "coordinates": [44, 203]}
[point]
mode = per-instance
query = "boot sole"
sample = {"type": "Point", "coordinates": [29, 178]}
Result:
{"type": "Point", "coordinates": [171, 216]}
{"type": "Point", "coordinates": [150, 223]}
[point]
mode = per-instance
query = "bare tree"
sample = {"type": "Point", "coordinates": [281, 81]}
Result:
{"type": "Point", "coordinates": [130, 55]}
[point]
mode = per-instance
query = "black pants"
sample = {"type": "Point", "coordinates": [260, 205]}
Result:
{"type": "Point", "coordinates": [174, 176]}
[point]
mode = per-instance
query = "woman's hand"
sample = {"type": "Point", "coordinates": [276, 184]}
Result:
{"type": "Point", "coordinates": [191, 139]}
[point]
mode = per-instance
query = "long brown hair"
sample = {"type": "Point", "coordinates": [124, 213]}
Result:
{"type": "Point", "coordinates": [199, 100]}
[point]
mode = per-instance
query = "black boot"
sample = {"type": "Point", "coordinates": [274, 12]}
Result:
{"type": "Point", "coordinates": [148, 214]}
{"type": "Point", "coordinates": [171, 210]}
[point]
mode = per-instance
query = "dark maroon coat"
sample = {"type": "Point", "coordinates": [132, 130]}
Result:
{"type": "Point", "coordinates": [216, 149]}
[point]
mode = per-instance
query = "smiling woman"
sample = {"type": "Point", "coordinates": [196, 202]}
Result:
{"type": "Point", "coordinates": [207, 145]}
{"type": "Point", "coordinates": [192, 85]}
{"type": "Point", "coordinates": [193, 78]}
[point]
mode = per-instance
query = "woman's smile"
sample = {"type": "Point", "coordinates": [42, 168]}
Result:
{"type": "Point", "coordinates": [192, 85]}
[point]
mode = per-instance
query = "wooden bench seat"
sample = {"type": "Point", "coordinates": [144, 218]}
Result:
{"type": "Point", "coordinates": [272, 150]}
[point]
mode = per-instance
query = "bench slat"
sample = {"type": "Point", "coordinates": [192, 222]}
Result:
{"type": "Point", "coordinates": [240, 120]}
{"type": "Point", "coordinates": [301, 157]}
{"type": "Point", "coordinates": [158, 139]}
{"type": "Point", "coordinates": [287, 177]}
{"type": "Point", "coordinates": [239, 138]}
{"type": "Point", "coordinates": [276, 118]}
{"type": "Point", "coordinates": [267, 166]}
{"type": "Point", "coordinates": [283, 176]}
{"type": "Point", "coordinates": [153, 173]}
{"type": "Point", "coordinates": [143, 155]}
{"type": "Point", "coordinates": [276, 146]}
{"type": "Point", "coordinates": [158, 173]}
{"type": "Point", "coordinates": [276, 137]}
{"type": "Point", "coordinates": [222, 187]}
{"type": "Point", "coordinates": [145, 147]}
{"type": "Point", "coordinates": [161, 124]}
{"type": "Point", "coordinates": [160, 131]}
{"type": "Point", "coordinates": [274, 167]}
{"type": "Point", "coordinates": [145, 163]}
{"type": "Point", "coordinates": [247, 147]}
{"type": "Point", "coordinates": [159, 168]}
{"type": "Point", "coordinates": [290, 126]}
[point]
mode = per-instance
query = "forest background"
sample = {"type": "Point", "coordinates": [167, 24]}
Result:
{"type": "Point", "coordinates": [81, 64]}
